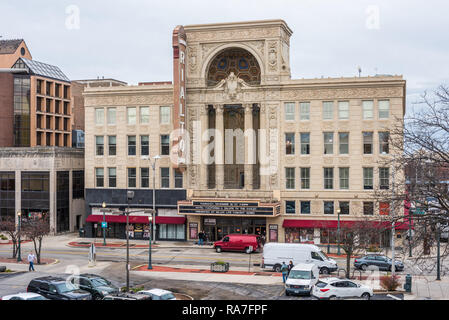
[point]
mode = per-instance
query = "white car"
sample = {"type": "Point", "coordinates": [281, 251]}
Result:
{"type": "Point", "coordinates": [334, 288]}
{"type": "Point", "coordinates": [158, 294]}
{"type": "Point", "coordinates": [24, 296]}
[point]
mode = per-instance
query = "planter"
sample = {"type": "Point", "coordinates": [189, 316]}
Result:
{"type": "Point", "coordinates": [219, 267]}
{"type": "Point", "coordinates": [2, 269]}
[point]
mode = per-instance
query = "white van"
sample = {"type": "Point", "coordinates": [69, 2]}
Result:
{"type": "Point", "coordinates": [276, 253]}
{"type": "Point", "coordinates": [301, 279]}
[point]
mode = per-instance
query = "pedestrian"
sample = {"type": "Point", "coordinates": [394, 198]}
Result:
{"type": "Point", "coordinates": [31, 258]}
{"type": "Point", "coordinates": [284, 270]}
{"type": "Point", "coordinates": [263, 239]}
{"type": "Point", "coordinates": [290, 267]}
{"type": "Point", "coordinates": [200, 238]}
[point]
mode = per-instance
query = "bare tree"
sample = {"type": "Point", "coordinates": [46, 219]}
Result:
{"type": "Point", "coordinates": [8, 225]}
{"type": "Point", "coordinates": [36, 230]}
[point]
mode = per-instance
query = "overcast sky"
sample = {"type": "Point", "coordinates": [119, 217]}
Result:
{"type": "Point", "coordinates": [131, 40]}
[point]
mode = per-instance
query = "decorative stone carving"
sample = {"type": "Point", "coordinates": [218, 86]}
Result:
{"type": "Point", "coordinates": [272, 56]}
{"type": "Point", "coordinates": [244, 34]}
{"type": "Point", "coordinates": [328, 161]}
{"type": "Point", "coordinates": [333, 94]}
{"type": "Point", "coordinates": [232, 86]}
{"type": "Point", "coordinates": [192, 58]}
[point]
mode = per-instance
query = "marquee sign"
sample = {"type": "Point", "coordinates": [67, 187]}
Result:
{"type": "Point", "coordinates": [229, 208]}
{"type": "Point", "coordinates": [179, 90]}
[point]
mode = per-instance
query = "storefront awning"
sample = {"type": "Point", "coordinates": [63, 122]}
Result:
{"type": "Point", "coordinates": [333, 224]}
{"type": "Point", "coordinates": [135, 219]}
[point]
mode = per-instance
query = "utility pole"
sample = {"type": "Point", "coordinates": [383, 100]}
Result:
{"type": "Point", "coordinates": [393, 230]}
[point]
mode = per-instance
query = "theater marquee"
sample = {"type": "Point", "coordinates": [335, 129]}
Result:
{"type": "Point", "coordinates": [239, 208]}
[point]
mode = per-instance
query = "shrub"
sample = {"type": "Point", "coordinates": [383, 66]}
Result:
{"type": "Point", "coordinates": [2, 237]}
{"type": "Point", "coordinates": [221, 263]}
{"type": "Point", "coordinates": [373, 248]}
{"type": "Point", "coordinates": [390, 283]}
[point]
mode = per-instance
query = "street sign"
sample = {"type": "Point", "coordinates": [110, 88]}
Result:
{"type": "Point", "coordinates": [104, 225]}
{"type": "Point", "coordinates": [419, 211]}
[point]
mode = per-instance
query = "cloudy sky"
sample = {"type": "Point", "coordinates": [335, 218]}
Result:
{"type": "Point", "coordinates": [131, 40]}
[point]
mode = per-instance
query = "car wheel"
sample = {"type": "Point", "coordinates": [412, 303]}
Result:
{"type": "Point", "coordinates": [366, 296]}
{"type": "Point", "coordinates": [218, 249]}
{"type": "Point", "coordinates": [364, 267]}
{"type": "Point", "coordinates": [286, 293]}
{"type": "Point", "coordinates": [389, 268]}
{"type": "Point", "coordinates": [277, 268]}
{"type": "Point", "coordinates": [324, 270]}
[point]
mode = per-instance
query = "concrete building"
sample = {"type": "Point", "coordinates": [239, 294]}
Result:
{"type": "Point", "coordinates": [258, 151]}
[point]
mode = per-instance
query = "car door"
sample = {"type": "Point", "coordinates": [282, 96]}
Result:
{"type": "Point", "coordinates": [382, 263]}
{"type": "Point", "coordinates": [352, 289]}
{"type": "Point", "coordinates": [337, 289]}
{"type": "Point", "coordinates": [86, 285]}
{"type": "Point", "coordinates": [44, 290]}
{"type": "Point", "coordinates": [226, 244]}
{"type": "Point", "coordinates": [371, 261]}
{"type": "Point", "coordinates": [316, 259]}
{"type": "Point", "coordinates": [53, 292]}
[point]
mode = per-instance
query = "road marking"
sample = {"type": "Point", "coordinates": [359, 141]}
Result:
{"type": "Point", "coordinates": [393, 297]}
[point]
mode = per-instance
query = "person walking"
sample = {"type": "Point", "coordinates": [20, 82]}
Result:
{"type": "Point", "coordinates": [31, 258]}
{"type": "Point", "coordinates": [290, 267]}
{"type": "Point", "coordinates": [200, 238]}
{"type": "Point", "coordinates": [284, 270]}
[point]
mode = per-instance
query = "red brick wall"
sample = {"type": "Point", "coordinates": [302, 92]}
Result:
{"type": "Point", "coordinates": [6, 109]}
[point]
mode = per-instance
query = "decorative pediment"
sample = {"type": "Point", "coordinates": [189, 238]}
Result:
{"type": "Point", "coordinates": [232, 86]}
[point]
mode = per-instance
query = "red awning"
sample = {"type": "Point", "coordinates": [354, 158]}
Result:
{"type": "Point", "coordinates": [135, 219]}
{"type": "Point", "coordinates": [333, 224]}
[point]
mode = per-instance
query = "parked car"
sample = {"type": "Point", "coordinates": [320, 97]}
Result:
{"type": "Point", "coordinates": [382, 262]}
{"type": "Point", "coordinates": [55, 288]}
{"type": "Point", "coordinates": [158, 294]}
{"type": "Point", "coordinates": [334, 288]}
{"type": "Point", "coordinates": [127, 296]}
{"type": "Point", "coordinates": [24, 296]}
{"type": "Point", "coordinates": [238, 242]}
{"type": "Point", "coordinates": [444, 236]}
{"type": "Point", "coordinates": [276, 253]}
{"type": "Point", "coordinates": [96, 285]}
{"type": "Point", "coordinates": [301, 279]}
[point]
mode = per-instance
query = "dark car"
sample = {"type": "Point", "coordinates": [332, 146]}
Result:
{"type": "Point", "coordinates": [127, 296]}
{"type": "Point", "coordinates": [98, 286]}
{"type": "Point", "coordinates": [55, 288]}
{"type": "Point", "coordinates": [379, 261]}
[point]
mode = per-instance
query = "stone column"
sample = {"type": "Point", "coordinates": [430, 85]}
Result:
{"type": "Point", "coordinates": [18, 193]}
{"type": "Point", "coordinates": [204, 118]}
{"type": "Point", "coordinates": [53, 199]}
{"type": "Point", "coordinates": [263, 150]}
{"type": "Point", "coordinates": [219, 146]}
{"type": "Point", "coordinates": [249, 146]}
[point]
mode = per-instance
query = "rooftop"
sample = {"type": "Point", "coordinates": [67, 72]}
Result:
{"type": "Point", "coordinates": [9, 46]}
{"type": "Point", "coordinates": [41, 69]}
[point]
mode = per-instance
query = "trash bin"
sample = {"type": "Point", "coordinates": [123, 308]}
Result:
{"type": "Point", "coordinates": [408, 283]}
{"type": "Point", "coordinates": [81, 232]}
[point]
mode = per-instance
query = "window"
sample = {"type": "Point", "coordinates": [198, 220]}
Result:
{"type": "Point", "coordinates": [290, 111]}
{"type": "Point", "coordinates": [305, 178]}
{"type": "Point", "coordinates": [99, 142]}
{"type": "Point", "coordinates": [165, 178]}
{"type": "Point", "coordinates": [328, 142]}
{"type": "Point", "coordinates": [144, 145]}
{"type": "Point", "coordinates": [384, 109]}
{"type": "Point", "coordinates": [131, 145]}
{"type": "Point", "coordinates": [178, 179]}
{"type": "Point", "coordinates": [99, 116]}
{"type": "Point", "coordinates": [131, 115]}
{"type": "Point", "coordinates": [367, 143]}
{"type": "Point", "coordinates": [343, 110]}
{"type": "Point", "coordinates": [144, 115]}
{"type": "Point", "coordinates": [165, 145]}
{"type": "Point", "coordinates": [112, 144]}
{"type": "Point", "coordinates": [328, 178]}
{"type": "Point", "coordinates": [328, 207]}
{"type": "Point", "coordinates": [328, 110]}
{"type": "Point", "coordinates": [305, 143]}
{"type": "Point", "coordinates": [304, 110]}
{"type": "Point", "coordinates": [344, 207]}
{"type": "Point", "coordinates": [165, 115]}
{"type": "Point", "coordinates": [99, 177]}
{"type": "Point", "coordinates": [344, 178]}
{"type": "Point", "coordinates": [384, 178]}
{"type": "Point", "coordinates": [305, 207]}
{"type": "Point", "coordinates": [144, 177]}
{"type": "Point", "coordinates": [384, 144]}
{"type": "Point", "coordinates": [112, 116]}
{"type": "Point", "coordinates": [384, 209]}
{"type": "Point", "coordinates": [368, 110]}
{"type": "Point", "coordinates": [290, 178]}
{"type": "Point", "coordinates": [344, 142]}
{"type": "Point", "coordinates": [368, 208]}
{"type": "Point", "coordinates": [112, 174]}
{"type": "Point", "coordinates": [368, 178]}
{"type": "Point", "coordinates": [78, 184]}
{"type": "Point", "coordinates": [289, 143]}
{"type": "Point", "coordinates": [290, 207]}
{"type": "Point", "coordinates": [132, 179]}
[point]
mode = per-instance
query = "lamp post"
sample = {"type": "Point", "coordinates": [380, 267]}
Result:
{"type": "Point", "coordinates": [104, 223]}
{"type": "Point", "coordinates": [19, 255]}
{"type": "Point", "coordinates": [150, 267]}
{"type": "Point", "coordinates": [129, 196]}
{"type": "Point", "coordinates": [153, 165]}
{"type": "Point", "coordinates": [338, 230]}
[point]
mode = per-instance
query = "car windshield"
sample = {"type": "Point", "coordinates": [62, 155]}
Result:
{"type": "Point", "coordinates": [300, 274]}
{"type": "Point", "coordinates": [321, 284]}
{"type": "Point", "coordinates": [325, 257]}
{"type": "Point", "coordinates": [65, 287]}
{"type": "Point", "coordinates": [167, 296]}
{"type": "Point", "coordinates": [100, 282]}
{"type": "Point", "coordinates": [37, 298]}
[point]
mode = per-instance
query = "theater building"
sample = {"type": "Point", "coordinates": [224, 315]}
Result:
{"type": "Point", "coordinates": [256, 151]}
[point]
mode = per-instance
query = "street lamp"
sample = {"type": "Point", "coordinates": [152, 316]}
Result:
{"type": "Point", "coordinates": [150, 267]}
{"type": "Point", "coordinates": [153, 165]}
{"type": "Point", "coordinates": [19, 256]}
{"type": "Point", "coordinates": [338, 230]}
{"type": "Point", "coordinates": [129, 196]}
{"type": "Point", "coordinates": [104, 223]}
